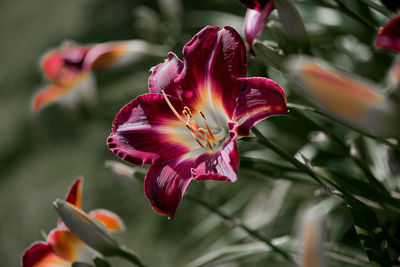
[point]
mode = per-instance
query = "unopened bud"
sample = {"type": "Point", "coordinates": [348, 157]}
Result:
{"type": "Point", "coordinates": [86, 228]}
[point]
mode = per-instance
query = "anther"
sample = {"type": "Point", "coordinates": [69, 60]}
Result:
{"type": "Point", "coordinates": [187, 110]}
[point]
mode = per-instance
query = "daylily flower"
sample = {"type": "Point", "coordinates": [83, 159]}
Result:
{"type": "Point", "coordinates": [187, 127]}
{"type": "Point", "coordinates": [63, 247]}
{"type": "Point", "coordinates": [69, 68]}
{"type": "Point", "coordinates": [256, 15]}
{"type": "Point", "coordinates": [389, 35]}
{"type": "Point", "coordinates": [352, 100]}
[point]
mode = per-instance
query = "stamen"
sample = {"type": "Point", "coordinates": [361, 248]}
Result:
{"type": "Point", "coordinates": [208, 128]}
{"type": "Point", "coordinates": [192, 125]}
{"type": "Point", "coordinates": [172, 107]}
{"type": "Point", "coordinates": [202, 131]}
{"type": "Point", "coordinates": [194, 136]}
{"type": "Point", "coordinates": [186, 111]}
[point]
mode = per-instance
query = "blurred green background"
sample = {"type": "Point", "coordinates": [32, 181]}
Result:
{"type": "Point", "coordinates": [41, 156]}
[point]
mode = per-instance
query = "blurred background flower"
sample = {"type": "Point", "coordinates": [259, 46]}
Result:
{"type": "Point", "coordinates": [69, 68]}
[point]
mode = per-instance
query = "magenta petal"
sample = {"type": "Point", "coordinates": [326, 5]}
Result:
{"type": "Point", "coordinates": [74, 196]}
{"type": "Point", "coordinates": [389, 35]}
{"type": "Point", "coordinates": [165, 184]}
{"type": "Point", "coordinates": [254, 22]}
{"type": "Point", "coordinates": [221, 165]}
{"type": "Point", "coordinates": [163, 76]}
{"type": "Point", "coordinates": [214, 59]}
{"type": "Point", "coordinates": [41, 254]}
{"type": "Point", "coordinates": [35, 254]}
{"type": "Point", "coordinates": [260, 99]}
{"type": "Point", "coordinates": [142, 131]}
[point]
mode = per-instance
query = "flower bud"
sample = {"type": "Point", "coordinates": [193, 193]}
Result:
{"type": "Point", "coordinates": [347, 98]}
{"type": "Point", "coordinates": [86, 228]}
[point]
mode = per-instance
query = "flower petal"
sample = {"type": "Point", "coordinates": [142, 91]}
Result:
{"type": "Point", "coordinates": [214, 59]}
{"type": "Point", "coordinates": [47, 95]}
{"type": "Point", "coordinates": [165, 184]}
{"type": "Point", "coordinates": [82, 86]}
{"type": "Point", "coordinates": [221, 164]}
{"type": "Point", "coordinates": [389, 35]}
{"type": "Point", "coordinates": [111, 220]}
{"type": "Point", "coordinates": [146, 131]}
{"type": "Point", "coordinates": [254, 22]}
{"type": "Point", "coordinates": [41, 255]}
{"type": "Point", "coordinates": [63, 65]}
{"type": "Point", "coordinates": [260, 99]}
{"type": "Point", "coordinates": [353, 101]}
{"type": "Point", "coordinates": [163, 76]}
{"type": "Point", "coordinates": [121, 53]}
{"type": "Point", "coordinates": [68, 246]}
{"type": "Point", "coordinates": [255, 4]}
{"type": "Point", "coordinates": [74, 196]}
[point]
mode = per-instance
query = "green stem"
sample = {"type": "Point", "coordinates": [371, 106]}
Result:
{"type": "Point", "coordinates": [278, 150]}
{"type": "Point", "coordinates": [316, 111]}
{"type": "Point", "coordinates": [238, 223]}
{"type": "Point", "coordinates": [129, 255]}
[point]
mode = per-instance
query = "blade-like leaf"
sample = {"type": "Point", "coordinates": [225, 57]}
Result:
{"type": "Point", "coordinates": [293, 23]}
{"type": "Point", "coordinates": [369, 232]}
{"type": "Point", "coordinates": [269, 54]}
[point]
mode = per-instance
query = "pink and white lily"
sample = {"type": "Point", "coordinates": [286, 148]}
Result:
{"type": "Point", "coordinates": [187, 126]}
{"type": "Point", "coordinates": [62, 247]}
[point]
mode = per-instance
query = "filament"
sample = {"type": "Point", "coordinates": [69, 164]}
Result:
{"type": "Point", "coordinates": [172, 107]}
{"type": "Point", "coordinates": [197, 132]}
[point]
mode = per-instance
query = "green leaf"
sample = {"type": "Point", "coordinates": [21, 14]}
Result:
{"type": "Point", "coordinates": [369, 232]}
{"type": "Point", "coordinates": [236, 252]}
{"type": "Point", "coordinates": [99, 262]}
{"type": "Point", "coordinates": [293, 24]}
